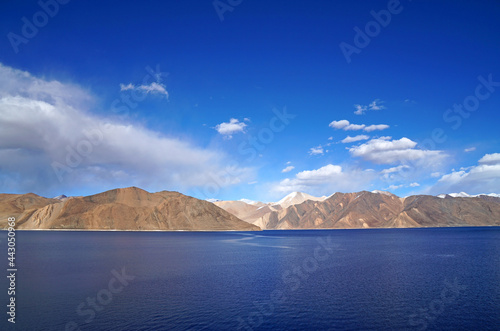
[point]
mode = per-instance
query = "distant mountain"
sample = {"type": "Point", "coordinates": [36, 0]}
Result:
{"type": "Point", "coordinates": [122, 209]}
{"type": "Point", "coordinates": [379, 209]}
{"type": "Point", "coordinates": [135, 209]}
{"type": "Point", "coordinates": [295, 198]}
{"type": "Point", "coordinates": [61, 197]}
{"type": "Point", "coordinates": [465, 195]}
{"type": "Point", "coordinates": [253, 203]}
{"type": "Point", "coordinates": [245, 211]}
{"type": "Point", "coordinates": [254, 211]}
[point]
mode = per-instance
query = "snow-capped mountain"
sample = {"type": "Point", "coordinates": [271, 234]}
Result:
{"type": "Point", "coordinates": [295, 198]}
{"type": "Point", "coordinates": [383, 192]}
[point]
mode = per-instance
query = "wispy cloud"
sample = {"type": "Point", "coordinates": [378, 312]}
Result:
{"type": "Point", "coordinates": [374, 105]}
{"type": "Point", "coordinates": [360, 110]}
{"type": "Point", "coordinates": [394, 187]}
{"type": "Point", "coordinates": [288, 169]}
{"type": "Point", "coordinates": [347, 126]}
{"type": "Point", "coordinates": [316, 151]}
{"type": "Point", "coordinates": [392, 173]}
{"type": "Point", "coordinates": [153, 88]}
{"type": "Point", "coordinates": [350, 139]}
{"type": "Point", "coordinates": [471, 149]}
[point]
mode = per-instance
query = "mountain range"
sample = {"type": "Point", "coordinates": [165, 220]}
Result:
{"type": "Point", "coordinates": [376, 209]}
{"type": "Point", "coordinates": [137, 210]}
{"type": "Point", "coordinates": [119, 209]}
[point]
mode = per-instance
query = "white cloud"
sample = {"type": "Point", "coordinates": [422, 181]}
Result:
{"type": "Point", "coordinates": [47, 134]}
{"type": "Point", "coordinates": [339, 124]}
{"type": "Point", "coordinates": [394, 172]}
{"type": "Point", "coordinates": [374, 105]}
{"type": "Point", "coordinates": [326, 180]}
{"type": "Point", "coordinates": [153, 88]}
{"type": "Point", "coordinates": [394, 169]}
{"type": "Point", "coordinates": [350, 139]}
{"type": "Point", "coordinates": [385, 151]}
{"type": "Point", "coordinates": [374, 127]}
{"type": "Point", "coordinates": [491, 159]}
{"type": "Point", "coordinates": [471, 149]}
{"type": "Point", "coordinates": [321, 173]}
{"type": "Point", "coordinates": [360, 110]}
{"type": "Point", "coordinates": [288, 169]}
{"type": "Point", "coordinates": [229, 128]}
{"type": "Point", "coordinates": [436, 174]}
{"type": "Point", "coordinates": [347, 126]}
{"type": "Point", "coordinates": [316, 151]}
{"type": "Point", "coordinates": [393, 187]}
{"type": "Point", "coordinates": [482, 178]}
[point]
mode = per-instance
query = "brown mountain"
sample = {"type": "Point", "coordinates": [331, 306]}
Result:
{"type": "Point", "coordinates": [248, 212]}
{"type": "Point", "coordinates": [382, 210]}
{"type": "Point", "coordinates": [15, 205]}
{"type": "Point", "coordinates": [129, 209]}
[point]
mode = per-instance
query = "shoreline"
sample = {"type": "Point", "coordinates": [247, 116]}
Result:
{"type": "Point", "coordinates": [312, 229]}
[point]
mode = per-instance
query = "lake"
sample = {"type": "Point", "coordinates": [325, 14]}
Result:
{"type": "Point", "coordinates": [380, 279]}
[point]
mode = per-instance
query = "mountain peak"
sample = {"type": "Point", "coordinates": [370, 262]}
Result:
{"type": "Point", "coordinates": [296, 198]}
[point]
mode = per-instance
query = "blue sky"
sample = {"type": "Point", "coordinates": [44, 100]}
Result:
{"type": "Point", "coordinates": [251, 100]}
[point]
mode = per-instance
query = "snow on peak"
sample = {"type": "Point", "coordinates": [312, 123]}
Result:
{"type": "Point", "coordinates": [296, 198]}
{"type": "Point", "coordinates": [460, 195]}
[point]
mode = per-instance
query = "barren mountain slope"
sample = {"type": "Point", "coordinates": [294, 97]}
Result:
{"type": "Point", "coordinates": [133, 209]}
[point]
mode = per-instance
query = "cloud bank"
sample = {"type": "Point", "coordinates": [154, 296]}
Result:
{"type": "Point", "coordinates": [326, 180]}
{"type": "Point", "coordinates": [50, 143]}
{"type": "Point", "coordinates": [383, 150]}
{"type": "Point", "coordinates": [481, 178]}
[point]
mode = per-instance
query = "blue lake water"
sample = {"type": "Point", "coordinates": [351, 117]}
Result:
{"type": "Point", "coordinates": [384, 279]}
